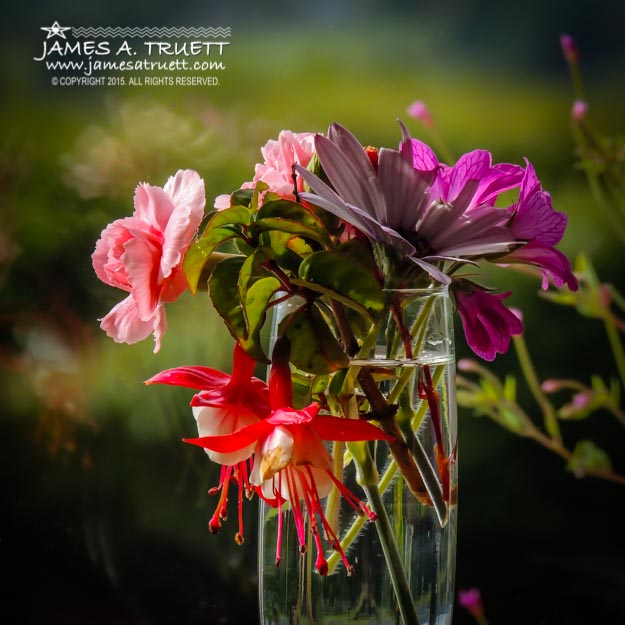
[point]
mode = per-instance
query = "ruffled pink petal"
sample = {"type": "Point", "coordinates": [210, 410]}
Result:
{"type": "Point", "coordinates": [141, 259]}
{"type": "Point", "coordinates": [222, 202]}
{"type": "Point", "coordinates": [107, 257]}
{"type": "Point", "coordinates": [186, 191]}
{"type": "Point", "coordinates": [153, 206]}
{"type": "Point", "coordinates": [171, 288]}
{"type": "Point", "coordinates": [124, 324]}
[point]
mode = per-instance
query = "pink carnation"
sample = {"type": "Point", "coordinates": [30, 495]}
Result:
{"type": "Point", "coordinates": [143, 255]}
{"type": "Point", "coordinates": [280, 155]}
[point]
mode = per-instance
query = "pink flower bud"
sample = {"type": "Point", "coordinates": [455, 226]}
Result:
{"type": "Point", "coordinates": [466, 364]}
{"type": "Point", "coordinates": [569, 49]}
{"type": "Point", "coordinates": [420, 111]}
{"type": "Point", "coordinates": [551, 386]}
{"type": "Point", "coordinates": [579, 110]}
{"type": "Point", "coordinates": [471, 600]}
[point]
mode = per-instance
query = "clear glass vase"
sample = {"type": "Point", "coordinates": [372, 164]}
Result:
{"type": "Point", "coordinates": [403, 563]}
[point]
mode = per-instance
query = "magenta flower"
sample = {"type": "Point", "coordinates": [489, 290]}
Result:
{"type": "Point", "coordinates": [423, 210]}
{"type": "Point", "coordinates": [473, 180]}
{"type": "Point", "coordinates": [291, 463]}
{"type": "Point", "coordinates": [536, 223]}
{"type": "Point", "coordinates": [143, 256]}
{"type": "Point", "coordinates": [471, 600]}
{"type": "Point", "coordinates": [488, 324]}
{"type": "Point", "coordinates": [224, 405]}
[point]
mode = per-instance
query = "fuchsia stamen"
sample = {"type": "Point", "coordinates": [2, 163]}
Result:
{"type": "Point", "coordinates": [238, 473]}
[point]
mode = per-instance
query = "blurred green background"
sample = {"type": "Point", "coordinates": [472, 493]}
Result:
{"type": "Point", "coordinates": [105, 510]}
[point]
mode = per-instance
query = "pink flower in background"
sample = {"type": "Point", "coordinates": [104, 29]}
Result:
{"type": "Point", "coordinates": [471, 600]}
{"type": "Point", "coordinates": [143, 256]}
{"type": "Point", "coordinates": [419, 110]}
{"type": "Point", "coordinates": [488, 324]}
{"type": "Point", "coordinates": [579, 110]}
{"type": "Point", "coordinates": [280, 155]}
{"type": "Point", "coordinates": [569, 48]}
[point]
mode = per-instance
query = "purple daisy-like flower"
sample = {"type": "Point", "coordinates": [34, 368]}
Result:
{"type": "Point", "coordinates": [424, 211]}
{"type": "Point", "coordinates": [535, 222]}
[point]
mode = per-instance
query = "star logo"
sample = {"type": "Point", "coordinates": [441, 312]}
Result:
{"type": "Point", "coordinates": [56, 30]}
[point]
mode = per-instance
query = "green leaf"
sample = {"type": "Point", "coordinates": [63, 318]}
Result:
{"type": "Point", "coordinates": [509, 388]}
{"type": "Point", "coordinates": [255, 309]}
{"type": "Point", "coordinates": [224, 297]}
{"type": "Point", "coordinates": [243, 321]}
{"type": "Point", "coordinates": [242, 197]}
{"type": "Point", "coordinates": [314, 348]}
{"type": "Point", "coordinates": [288, 249]}
{"type": "Point", "coordinates": [588, 457]}
{"type": "Point", "coordinates": [359, 251]}
{"type": "Point", "coordinates": [344, 279]}
{"type": "Point", "coordinates": [224, 226]}
{"type": "Point", "coordinates": [290, 217]}
{"type": "Point", "coordinates": [252, 267]}
{"type": "Point", "coordinates": [511, 421]}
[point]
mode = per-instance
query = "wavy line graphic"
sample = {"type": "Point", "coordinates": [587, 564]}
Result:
{"type": "Point", "coordinates": [178, 33]}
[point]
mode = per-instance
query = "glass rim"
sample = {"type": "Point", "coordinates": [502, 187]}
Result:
{"type": "Point", "coordinates": [430, 290]}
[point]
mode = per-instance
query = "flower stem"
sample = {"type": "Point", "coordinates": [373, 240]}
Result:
{"type": "Point", "coordinates": [392, 556]}
{"type": "Point", "coordinates": [527, 366]}
{"type": "Point", "coordinates": [617, 349]}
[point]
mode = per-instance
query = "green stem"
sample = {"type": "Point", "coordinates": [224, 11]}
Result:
{"type": "Point", "coordinates": [617, 349]}
{"type": "Point", "coordinates": [576, 79]}
{"type": "Point", "coordinates": [334, 498]}
{"type": "Point", "coordinates": [527, 366]}
{"type": "Point", "coordinates": [441, 147]}
{"type": "Point", "coordinates": [386, 480]}
{"type": "Point", "coordinates": [352, 533]}
{"type": "Point", "coordinates": [392, 556]}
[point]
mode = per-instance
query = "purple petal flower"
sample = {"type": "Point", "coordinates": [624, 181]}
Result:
{"type": "Point", "coordinates": [488, 324]}
{"type": "Point", "coordinates": [554, 264]}
{"type": "Point", "coordinates": [534, 217]}
{"type": "Point", "coordinates": [474, 172]}
{"type": "Point", "coordinates": [413, 204]}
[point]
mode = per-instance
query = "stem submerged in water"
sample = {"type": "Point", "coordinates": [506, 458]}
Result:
{"type": "Point", "coordinates": [405, 601]}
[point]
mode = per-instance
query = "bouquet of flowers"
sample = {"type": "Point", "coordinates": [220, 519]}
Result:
{"type": "Point", "coordinates": [338, 239]}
